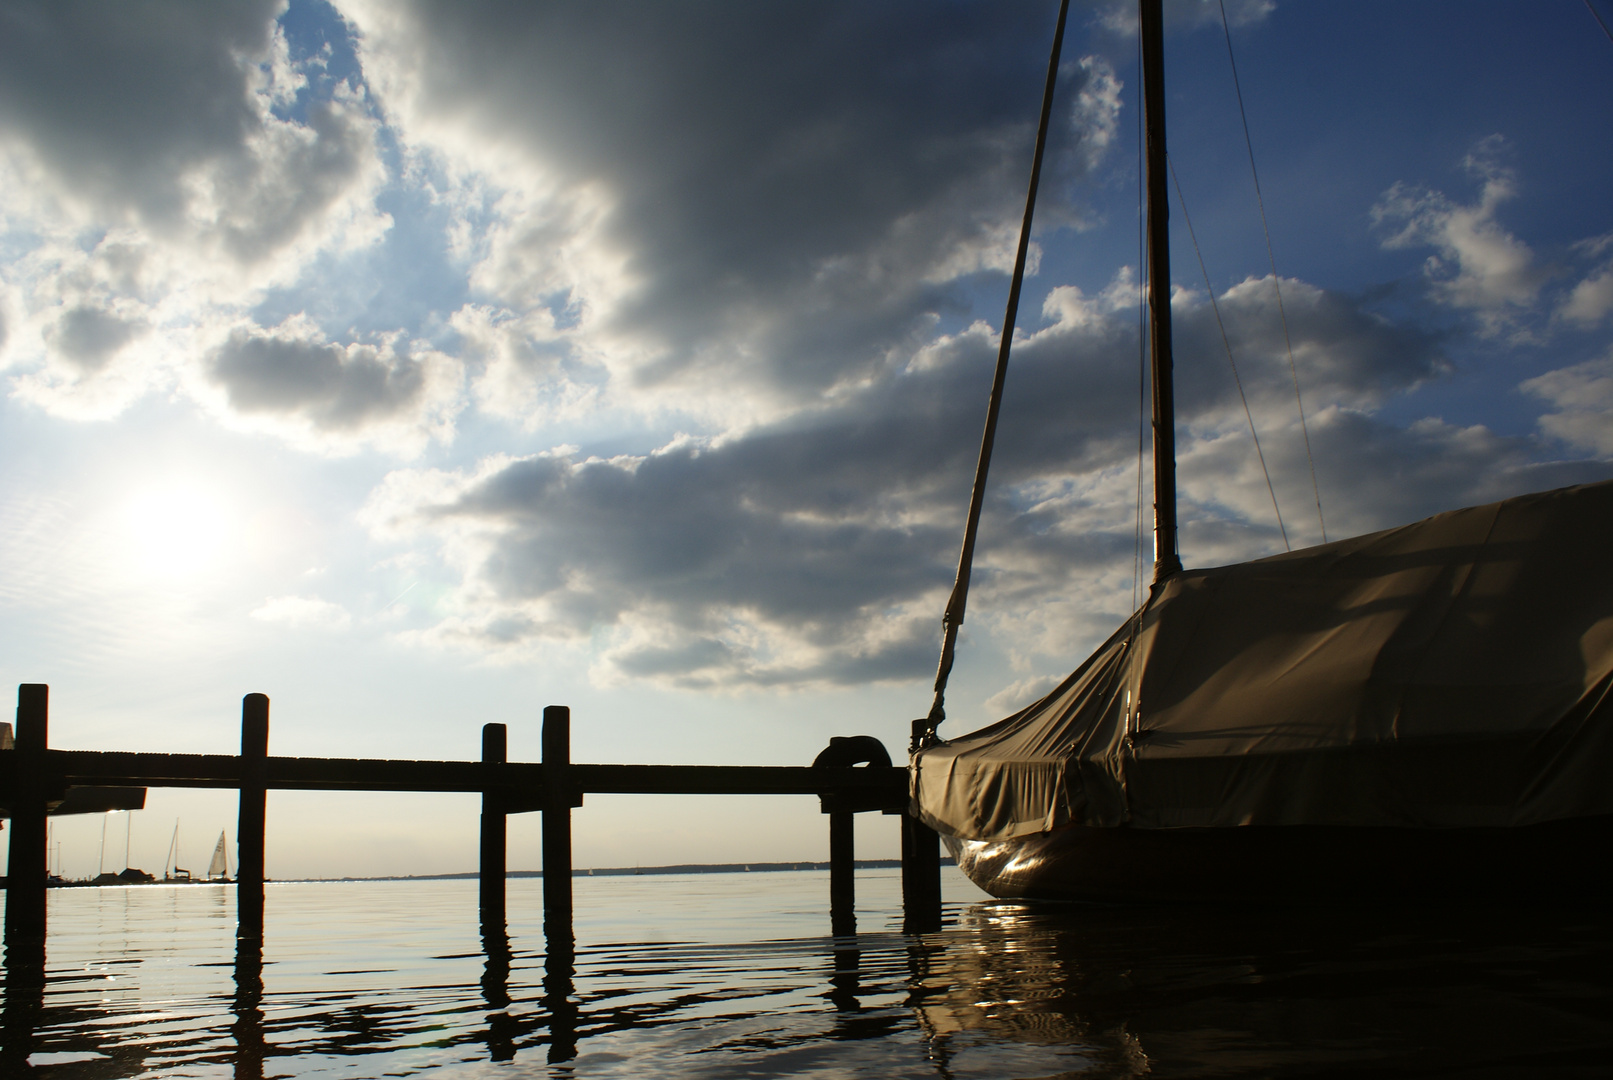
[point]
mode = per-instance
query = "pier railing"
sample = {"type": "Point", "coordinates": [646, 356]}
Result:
{"type": "Point", "coordinates": [852, 776]}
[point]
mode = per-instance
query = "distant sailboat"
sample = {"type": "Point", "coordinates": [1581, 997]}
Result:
{"type": "Point", "coordinates": [178, 873]}
{"type": "Point", "coordinates": [218, 869]}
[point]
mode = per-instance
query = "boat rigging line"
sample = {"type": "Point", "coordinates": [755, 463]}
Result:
{"type": "Point", "coordinates": [1216, 307]}
{"type": "Point", "coordinates": [1597, 15]}
{"type": "Point", "coordinates": [1276, 282]}
{"type": "Point", "coordinates": [924, 729]}
{"type": "Point", "coordinates": [1142, 359]}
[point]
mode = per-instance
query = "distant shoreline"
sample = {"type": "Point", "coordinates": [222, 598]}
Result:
{"type": "Point", "coordinates": [602, 871]}
{"type": "Point", "coordinates": [632, 871]}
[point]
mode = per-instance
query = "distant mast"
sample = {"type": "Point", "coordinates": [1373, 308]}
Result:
{"type": "Point", "coordinates": [1151, 26]}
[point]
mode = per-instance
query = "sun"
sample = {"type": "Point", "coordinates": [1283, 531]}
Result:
{"type": "Point", "coordinates": [176, 530]}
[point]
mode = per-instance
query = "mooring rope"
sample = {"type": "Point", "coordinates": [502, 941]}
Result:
{"type": "Point", "coordinates": [924, 729]}
{"type": "Point", "coordinates": [1276, 282]}
{"type": "Point", "coordinates": [1215, 307]}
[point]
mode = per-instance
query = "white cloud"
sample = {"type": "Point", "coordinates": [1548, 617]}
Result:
{"type": "Point", "coordinates": [1480, 266]}
{"type": "Point", "coordinates": [1016, 695]}
{"type": "Point", "coordinates": [303, 613]}
{"type": "Point", "coordinates": [1583, 399]}
{"type": "Point", "coordinates": [1589, 302]}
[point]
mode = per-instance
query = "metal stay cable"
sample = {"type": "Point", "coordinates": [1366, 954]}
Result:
{"type": "Point", "coordinates": [1215, 307]}
{"type": "Point", "coordinates": [1276, 282]}
{"type": "Point", "coordinates": [1597, 15]}
{"type": "Point", "coordinates": [924, 729]}
{"type": "Point", "coordinates": [1142, 351]}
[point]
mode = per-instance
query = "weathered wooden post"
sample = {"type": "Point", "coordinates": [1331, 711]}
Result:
{"type": "Point", "coordinates": [559, 943]}
{"type": "Point", "coordinates": [250, 825]}
{"type": "Point", "coordinates": [842, 808]}
{"type": "Point", "coordinates": [921, 877]}
{"type": "Point", "coordinates": [557, 816]}
{"type": "Point", "coordinates": [842, 873]}
{"type": "Point", "coordinates": [27, 870]}
{"type": "Point", "coordinates": [495, 751]}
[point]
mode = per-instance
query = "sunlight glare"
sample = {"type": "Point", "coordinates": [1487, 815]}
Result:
{"type": "Point", "coordinates": [176, 531]}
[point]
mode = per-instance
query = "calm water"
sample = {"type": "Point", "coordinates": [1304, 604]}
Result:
{"type": "Point", "coordinates": [734, 976]}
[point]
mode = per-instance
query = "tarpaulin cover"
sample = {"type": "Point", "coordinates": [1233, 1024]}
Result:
{"type": "Point", "coordinates": [1450, 673]}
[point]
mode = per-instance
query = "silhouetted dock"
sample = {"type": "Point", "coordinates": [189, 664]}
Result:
{"type": "Point", "coordinates": [853, 775]}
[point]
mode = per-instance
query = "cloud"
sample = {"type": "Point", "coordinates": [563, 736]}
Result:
{"type": "Point", "coordinates": [736, 211]}
{"type": "Point", "coordinates": [303, 613]}
{"type": "Point", "coordinates": [1591, 299]}
{"type": "Point", "coordinates": [165, 168]}
{"type": "Point", "coordinates": [818, 549]}
{"type": "Point", "coordinates": [335, 397]}
{"type": "Point", "coordinates": [1481, 266]}
{"type": "Point", "coordinates": [1582, 396]}
{"type": "Point", "coordinates": [1020, 693]}
{"type": "Point", "coordinates": [88, 337]}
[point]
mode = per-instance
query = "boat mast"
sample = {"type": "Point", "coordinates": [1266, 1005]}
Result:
{"type": "Point", "coordinates": [1151, 26]}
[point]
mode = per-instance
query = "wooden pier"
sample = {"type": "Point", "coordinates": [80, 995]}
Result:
{"type": "Point", "coordinates": [852, 776]}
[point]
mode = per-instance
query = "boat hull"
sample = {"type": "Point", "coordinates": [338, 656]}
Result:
{"type": "Point", "coordinates": [1285, 864]}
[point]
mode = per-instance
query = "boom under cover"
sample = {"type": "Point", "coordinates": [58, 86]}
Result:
{"type": "Point", "coordinates": [1446, 674]}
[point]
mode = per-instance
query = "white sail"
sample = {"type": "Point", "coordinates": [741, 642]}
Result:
{"type": "Point", "coordinates": [219, 866]}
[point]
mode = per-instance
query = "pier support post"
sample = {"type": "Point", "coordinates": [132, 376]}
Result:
{"type": "Point", "coordinates": [249, 827]}
{"type": "Point", "coordinates": [557, 816]}
{"type": "Point", "coordinates": [842, 873]}
{"type": "Point", "coordinates": [495, 751]}
{"type": "Point", "coordinates": [921, 877]}
{"type": "Point", "coordinates": [27, 870]}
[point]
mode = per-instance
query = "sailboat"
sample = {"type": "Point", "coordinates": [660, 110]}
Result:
{"type": "Point", "coordinates": [218, 867]}
{"type": "Point", "coordinates": [178, 872]}
{"type": "Point", "coordinates": [1424, 711]}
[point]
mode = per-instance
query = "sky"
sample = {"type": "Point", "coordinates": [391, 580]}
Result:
{"type": "Point", "coordinates": [423, 364]}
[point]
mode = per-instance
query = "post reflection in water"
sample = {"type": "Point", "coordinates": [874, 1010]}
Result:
{"type": "Point", "coordinates": [559, 989]}
{"type": "Point", "coordinates": [502, 1029]}
{"type": "Point", "coordinates": [25, 1003]}
{"type": "Point", "coordinates": [250, 1047]}
{"type": "Point", "coordinates": [723, 979]}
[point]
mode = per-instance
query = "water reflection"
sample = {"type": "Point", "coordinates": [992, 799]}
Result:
{"type": "Point", "coordinates": [247, 1029]}
{"type": "Point", "coordinates": [1004, 989]}
{"type": "Point", "coordinates": [25, 1003]}
{"type": "Point", "coordinates": [559, 971]}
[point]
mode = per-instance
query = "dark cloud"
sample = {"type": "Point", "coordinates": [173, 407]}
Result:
{"type": "Point", "coordinates": [153, 113]}
{"type": "Point", "coordinates": [819, 549]}
{"type": "Point", "coordinates": [334, 388]}
{"type": "Point", "coordinates": [119, 100]}
{"type": "Point", "coordinates": [88, 337]}
{"type": "Point", "coordinates": [791, 185]}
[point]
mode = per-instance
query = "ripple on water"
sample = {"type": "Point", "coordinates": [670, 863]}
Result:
{"type": "Point", "coordinates": [730, 976]}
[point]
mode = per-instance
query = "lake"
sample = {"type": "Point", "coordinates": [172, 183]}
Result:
{"type": "Point", "coordinates": [734, 975]}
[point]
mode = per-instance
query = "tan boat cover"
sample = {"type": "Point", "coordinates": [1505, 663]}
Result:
{"type": "Point", "coordinates": [1454, 672]}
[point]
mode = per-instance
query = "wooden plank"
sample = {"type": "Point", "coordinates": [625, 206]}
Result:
{"type": "Point", "coordinates": [523, 781]}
